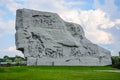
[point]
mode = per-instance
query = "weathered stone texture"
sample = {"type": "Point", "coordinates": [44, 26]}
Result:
{"type": "Point", "coordinates": [46, 39]}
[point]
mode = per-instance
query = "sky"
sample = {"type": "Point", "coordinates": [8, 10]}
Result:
{"type": "Point", "coordinates": [100, 20]}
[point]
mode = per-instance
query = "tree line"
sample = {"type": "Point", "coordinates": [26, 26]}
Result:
{"type": "Point", "coordinates": [16, 59]}
{"type": "Point", "coordinates": [116, 61]}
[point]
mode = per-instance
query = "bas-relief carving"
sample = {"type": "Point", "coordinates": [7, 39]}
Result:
{"type": "Point", "coordinates": [43, 46]}
{"type": "Point", "coordinates": [43, 20]}
{"type": "Point", "coordinates": [57, 53]}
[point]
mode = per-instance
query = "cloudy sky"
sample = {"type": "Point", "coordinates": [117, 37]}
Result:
{"type": "Point", "coordinates": [100, 20]}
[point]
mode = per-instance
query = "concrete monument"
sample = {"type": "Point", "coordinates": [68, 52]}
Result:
{"type": "Point", "coordinates": [45, 39]}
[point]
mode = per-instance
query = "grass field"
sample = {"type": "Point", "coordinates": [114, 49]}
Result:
{"type": "Point", "coordinates": [57, 73]}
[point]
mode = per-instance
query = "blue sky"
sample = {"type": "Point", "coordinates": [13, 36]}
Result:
{"type": "Point", "coordinates": [100, 20]}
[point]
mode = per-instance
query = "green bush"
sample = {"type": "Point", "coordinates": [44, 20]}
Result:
{"type": "Point", "coordinates": [116, 61]}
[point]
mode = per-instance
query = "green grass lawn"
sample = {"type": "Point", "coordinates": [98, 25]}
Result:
{"type": "Point", "coordinates": [57, 73]}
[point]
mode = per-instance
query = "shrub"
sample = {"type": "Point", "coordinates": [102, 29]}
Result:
{"type": "Point", "coordinates": [116, 61]}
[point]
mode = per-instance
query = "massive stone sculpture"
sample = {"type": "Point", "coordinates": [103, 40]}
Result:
{"type": "Point", "coordinates": [46, 39]}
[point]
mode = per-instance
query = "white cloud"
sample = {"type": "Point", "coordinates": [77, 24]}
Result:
{"type": "Point", "coordinates": [76, 3]}
{"type": "Point", "coordinates": [118, 27]}
{"type": "Point", "coordinates": [1, 13]}
{"type": "Point", "coordinates": [7, 27]}
{"type": "Point", "coordinates": [13, 5]}
{"type": "Point", "coordinates": [99, 37]}
{"type": "Point", "coordinates": [109, 7]}
{"type": "Point", "coordinates": [45, 5]}
{"type": "Point", "coordinates": [116, 48]}
{"type": "Point", "coordinates": [117, 24]}
{"type": "Point", "coordinates": [117, 21]}
{"type": "Point", "coordinates": [11, 49]}
{"type": "Point", "coordinates": [92, 21]}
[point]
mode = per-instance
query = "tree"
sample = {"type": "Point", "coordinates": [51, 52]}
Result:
{"type": "Point", "coordinates": [5, 58]}
{"type": "Point", "coordinates": [119, 53]}
{"type": "Point", "coordinates": [1, 60]}
{"type": "Point", "coordinates": [8, 60]}
{"type": "Point", "coordinates": [115, 61]}
{"type": "Point", "coordinates": [18, 60]}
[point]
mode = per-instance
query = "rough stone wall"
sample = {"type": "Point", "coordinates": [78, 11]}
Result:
{"type": "Point", "coordinates": [46, 39]}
